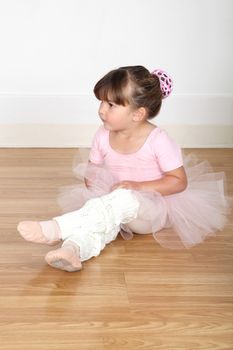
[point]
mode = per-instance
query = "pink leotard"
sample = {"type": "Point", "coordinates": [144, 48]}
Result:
{"type": "Point", "coordinates": [157, 155]}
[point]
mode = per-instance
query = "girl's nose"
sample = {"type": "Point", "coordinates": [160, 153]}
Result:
{"type": "Point", "coordinates": [102, 109]}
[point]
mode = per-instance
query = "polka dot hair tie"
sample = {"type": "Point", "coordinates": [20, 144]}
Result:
{"type": "Point", "coordinates": [166, 83]}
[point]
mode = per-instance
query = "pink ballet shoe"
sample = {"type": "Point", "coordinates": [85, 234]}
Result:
{"type": "Point", "coordinates": [32, 231]}
{"type": "Point", "coordinates": [65, 258]}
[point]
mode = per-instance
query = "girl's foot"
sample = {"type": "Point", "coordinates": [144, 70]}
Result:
{"type": "Point", "coordinates": [46, 232]}
{"type": "Point", "coordinates": [65, 258]}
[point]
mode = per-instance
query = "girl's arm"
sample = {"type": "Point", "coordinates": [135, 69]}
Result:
{"type": "Point", "coordinates": [173, 181]}
{"type": "Point", "coordinates": [87, 183]}
{"type": "Point", "coordinates": [88, 179]}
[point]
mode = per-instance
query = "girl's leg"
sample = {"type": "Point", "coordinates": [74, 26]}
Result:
{"type": "Point", "coordinates": [93, 226]}
{"type": "Point", "coordinates": [152, 215]}
{"type": "Point", "coordinates": [90, 228]}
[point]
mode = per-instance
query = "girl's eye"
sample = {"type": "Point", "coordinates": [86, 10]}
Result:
{"type": "Point", "coordinates": [110, 104]}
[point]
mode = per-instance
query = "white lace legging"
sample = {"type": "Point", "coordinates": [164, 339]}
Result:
{"type": "Point", "coordinates": [97, 223]}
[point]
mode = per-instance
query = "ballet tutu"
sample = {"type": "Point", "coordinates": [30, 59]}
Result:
{"type": "Point", "coordinates": [176, 221]}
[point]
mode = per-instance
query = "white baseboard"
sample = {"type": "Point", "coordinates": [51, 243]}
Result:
{"type": "Point", "coordinates": [80, 135]}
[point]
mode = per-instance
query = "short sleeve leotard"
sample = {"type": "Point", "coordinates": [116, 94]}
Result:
{"type": "Point", "coordinates": [157, 155]}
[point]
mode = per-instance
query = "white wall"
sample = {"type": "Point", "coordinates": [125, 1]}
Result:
{"type": "Point", "coordinates": [53, 52]}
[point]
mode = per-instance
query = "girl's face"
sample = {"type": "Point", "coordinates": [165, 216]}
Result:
{"type": "Point", "coordinates": [116, 117]}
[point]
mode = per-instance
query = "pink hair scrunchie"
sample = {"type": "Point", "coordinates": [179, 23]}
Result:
{"type": "Point", "coordinates": [166, 83]}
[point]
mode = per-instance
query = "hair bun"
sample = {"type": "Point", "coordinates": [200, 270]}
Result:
{"type": "Point", "coordinates": [166, 83]}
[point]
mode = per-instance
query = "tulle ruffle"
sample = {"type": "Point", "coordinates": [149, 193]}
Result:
{"type": "Point", "coordinates": [176, 221]}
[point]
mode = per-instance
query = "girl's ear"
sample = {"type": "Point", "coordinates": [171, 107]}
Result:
{"type": "Point", "coordinates": [139, 114]}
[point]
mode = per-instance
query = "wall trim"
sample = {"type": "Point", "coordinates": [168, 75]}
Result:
{"type": "Point", "coordinates": [80, 135]}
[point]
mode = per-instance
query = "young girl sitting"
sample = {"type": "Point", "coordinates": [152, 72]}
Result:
{"type": "Point", "coordinates": [135, 179]}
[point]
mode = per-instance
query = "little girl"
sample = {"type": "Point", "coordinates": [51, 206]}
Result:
{"type": "Point", "coordinates": [135, 179]}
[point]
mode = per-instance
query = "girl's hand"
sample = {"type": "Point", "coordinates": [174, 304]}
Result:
{"type": "Point", "coordinates": [173, 181]}
{"type": "Point", "coordinates": [129, 185]}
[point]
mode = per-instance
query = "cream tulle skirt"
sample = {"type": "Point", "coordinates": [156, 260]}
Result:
{"type": "Point", "coordinates": [176, 221]}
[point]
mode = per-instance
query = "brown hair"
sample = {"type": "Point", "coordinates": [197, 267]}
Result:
{"type": "Point", "coordinates": [133, 85]}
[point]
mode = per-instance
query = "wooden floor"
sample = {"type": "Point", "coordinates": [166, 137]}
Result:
{"type": "Point", "coordinates": [136, 295]}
